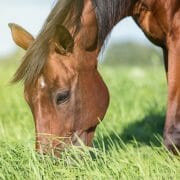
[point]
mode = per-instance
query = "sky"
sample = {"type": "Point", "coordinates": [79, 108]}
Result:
{"type": "Point", "coordinates": [31, 15]}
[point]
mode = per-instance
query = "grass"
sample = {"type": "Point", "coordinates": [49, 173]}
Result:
{"type": "Point", "coordinates": [127, 145]}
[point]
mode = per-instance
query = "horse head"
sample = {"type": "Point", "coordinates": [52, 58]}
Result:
{"type": "Point", "coordinates": [67, 97]}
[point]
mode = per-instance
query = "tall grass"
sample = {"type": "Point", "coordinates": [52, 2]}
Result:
{"type": "Point", "coordinates": [127, 144]}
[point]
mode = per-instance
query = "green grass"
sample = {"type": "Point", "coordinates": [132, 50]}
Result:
{"type": "Point", "coordinates": [128, 143]}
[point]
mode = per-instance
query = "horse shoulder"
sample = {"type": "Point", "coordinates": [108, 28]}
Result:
{"type": "Point", "coordinates": [152, 20]}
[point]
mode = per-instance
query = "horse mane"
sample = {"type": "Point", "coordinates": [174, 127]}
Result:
{"type": "Point", "coordinates": [68, 13]}
{"type": "Point", "coordinates": [109, 13]}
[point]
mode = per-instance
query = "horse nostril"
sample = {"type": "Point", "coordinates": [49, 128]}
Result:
{"type": "Point", "coordinates": [62, 97]}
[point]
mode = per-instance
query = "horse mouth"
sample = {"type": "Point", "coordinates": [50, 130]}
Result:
{"type": "Point", "coordinates": [80, 138]}
{"type": "Point", "coordinates": [83, 137]}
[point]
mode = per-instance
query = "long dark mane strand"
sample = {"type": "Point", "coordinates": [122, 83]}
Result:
{"type": "Point", "coordinates": [65, 12]}
{"type": "Point", "coordinates": [109, 13]}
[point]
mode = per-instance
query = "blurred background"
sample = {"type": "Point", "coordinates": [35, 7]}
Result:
{"type": "Point", "coordinates": [126, 44]}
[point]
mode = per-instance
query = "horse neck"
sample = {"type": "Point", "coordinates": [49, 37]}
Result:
{"type": "Point", "coordinates": [88, 33]}
{"type": "Point", "coordinates": [98, 19]}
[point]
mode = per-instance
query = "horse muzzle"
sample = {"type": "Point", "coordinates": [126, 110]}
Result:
{"type": "Point", "coordinates": [51, 144]}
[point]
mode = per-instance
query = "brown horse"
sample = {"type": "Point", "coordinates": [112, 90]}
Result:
{"type": "Point", "coordinates": [63, 88]}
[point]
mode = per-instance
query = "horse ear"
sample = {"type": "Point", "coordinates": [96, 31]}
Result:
{"type": "Point", "coordinates": [64, 42]}
{"type": "Point", "coordinates": [20, 36]}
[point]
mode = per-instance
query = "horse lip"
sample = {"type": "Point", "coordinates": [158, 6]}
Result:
{"type": "Point", "coordinates": [79, 138]}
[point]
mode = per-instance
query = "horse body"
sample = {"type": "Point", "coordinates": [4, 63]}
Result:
{"type": "Point", "coordinates": [63, 88]}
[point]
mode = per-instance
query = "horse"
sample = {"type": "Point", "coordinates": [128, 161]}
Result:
{"type": "Point", "coordinates": [62, 85]}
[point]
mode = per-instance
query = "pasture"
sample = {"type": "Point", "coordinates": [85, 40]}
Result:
{"type": "Point", "coordinates": [127, 145]}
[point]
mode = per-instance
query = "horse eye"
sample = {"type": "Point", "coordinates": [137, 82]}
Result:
{"type": "Point", "coordinates": [62, 97]}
